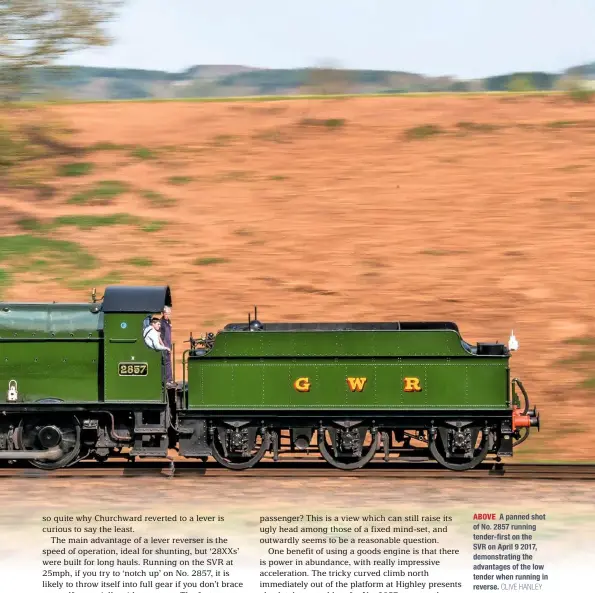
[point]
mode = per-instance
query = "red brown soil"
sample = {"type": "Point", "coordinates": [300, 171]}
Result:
{"type": "Point", "coordinates": [493, 229]}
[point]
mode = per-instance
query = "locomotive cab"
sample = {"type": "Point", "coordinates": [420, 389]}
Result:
{"type": "Point", "coordinates": [132, 370]}
{"type": "Point", "coordinates": [80, 380]}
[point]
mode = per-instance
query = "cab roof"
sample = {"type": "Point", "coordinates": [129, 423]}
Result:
{"type": "Point", "coordinates": [136, 299]}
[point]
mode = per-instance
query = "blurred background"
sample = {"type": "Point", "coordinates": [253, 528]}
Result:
{"type": "Point", "coordinates": [336, 161]}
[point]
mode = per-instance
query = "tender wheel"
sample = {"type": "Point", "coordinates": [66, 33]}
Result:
{"type": "Point", "coordinates": [47, 432]}
{"type": "Point", "coordinates": [458, 449]}
{"type": "Point", "coordinates": [346, 447]}
{"type": "Point", "coordinates": [239, 448]}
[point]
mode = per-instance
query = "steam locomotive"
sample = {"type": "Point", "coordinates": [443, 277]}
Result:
{"type": "Point", "coordinates": [82, 384]}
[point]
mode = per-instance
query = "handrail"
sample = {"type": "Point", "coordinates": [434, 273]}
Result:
{"type": "Point", "coordinates": [52, 339]}
{"type": "Point", "coordinates": [184, 382]}
{"type": "Point", "coordinates": [518, 382]}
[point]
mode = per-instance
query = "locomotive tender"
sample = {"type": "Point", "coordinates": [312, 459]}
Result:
{"type": "Point", "coordinates": [81, 383]}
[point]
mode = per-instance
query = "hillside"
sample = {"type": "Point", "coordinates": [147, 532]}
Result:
{"type": "Point", "coordinates": [474, 209]}
{"type": "Point", "coordinates": [232, 80]}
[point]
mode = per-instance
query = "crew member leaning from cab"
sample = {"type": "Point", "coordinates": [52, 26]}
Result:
{"type": "Point", "coordinates": [152, 336]}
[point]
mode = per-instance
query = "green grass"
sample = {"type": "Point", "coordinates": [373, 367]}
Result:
{"type": "Point", "coordinates": [64, 261]}
{"type": "Point", "coordinates": [26, 143]}
{"type": "Point", "coordinates": [82, 222]}
{"type": "Point", "coordinates": [140, 262]}
{"type": "Point", "coordinates": [12, 147]}
{"type": "Point", "coordinates": [89, 222]}
{"type": "Point", "coordinates": [31, 224]}
{"type": "Point", "coordinates": [473, 127]}
{"type": "Point", "coordinates": [572, 123]}
{"type": "Point", "coordinates": [581, 95]}
{"type": "Point", "coordinates": [152, 226]}
{"type": "Point", "coordinates": [581, 342]}
{"type": "Point", "coordinates": [157, 199]}
{"type": "Point", "coordinates": [269, 98]}
{"type": "Point", "coordinates": [75, 169]}
{"type": "Point", "coordinates": [179, 180]}
{"type": "Point", "coordinates": [562, 124]}
{"type": "Point", "coordinates": [585, 356]}
{"type": "Point", "coordinates": [422, 132]}
{"type": "Point", "coordinates": [101, 146]}
{"type": "Point", "coordinates": [92, 222]}
{"type": "Point", "coordinates": [5, 279]}
{"type": "Point", "coordinates": [583, 361]}
{"type": "Point", "coordinates": [331, 124]}
{"type": "Point", "coordinates": [277, 177]}
{"type": "Point", "coordinates": [23, 250]}
{"type": "Point", "coordinates": [101, 193]}
{"type": "Point", "coordinates": [210, 261]}
{"type": "Point", "coordinates": [87, 283]}
{"type": "Point", "coordinates": [143, 153]}
{"type": "Point", "coordinates": [272, 135]}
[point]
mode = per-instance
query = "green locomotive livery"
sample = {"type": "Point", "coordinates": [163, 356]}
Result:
{"type": "Point", "coordinates": [82, 383]}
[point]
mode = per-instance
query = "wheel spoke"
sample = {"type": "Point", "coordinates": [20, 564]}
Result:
{"type": "Point", "coordinates": [333, 456]}
{"type": "Point", "coordinates": [238, 461]}
{"type": "Point", "coordinates": [459, 463]}
{"type": "Point", "coordinates": [66, 428]}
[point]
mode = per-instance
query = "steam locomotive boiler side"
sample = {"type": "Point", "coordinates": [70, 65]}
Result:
{"type": "Point", "coordinates": [79, 380]}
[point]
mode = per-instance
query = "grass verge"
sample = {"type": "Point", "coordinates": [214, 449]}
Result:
{"type": "Point", "coordinates": [75, 169]}
{"type": "Point", "coordinates": [179, 180]}
{"type": "Point", "coordinates": [88, 283]}
{"type": "Point", "coordinates": [157, 199]}
{"type": "Point", "coordinates": [266, 98]}
{"type": "Point", "coordinates": [423, 131]}
{"type": "Point", "coordinates": [5, 280]}
{"type": "Point", "coordinates": [101, 193]}
{"type": "Point", "coordinates": [210, 261]}
{"type": "Point", "coordinates": [140, 262]}
{"type": "Point", "coordinates": [88, 222]}
{"type": "Point", "coordinates": [583, 361]}
{"type": "Point", "coordinates": [27, 251]}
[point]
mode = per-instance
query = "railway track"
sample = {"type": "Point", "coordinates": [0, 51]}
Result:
{"type": "Point", "coordinates": [302, 468]}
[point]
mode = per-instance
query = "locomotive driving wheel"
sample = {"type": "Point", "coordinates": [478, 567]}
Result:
{"type": "Point", "coordinates": [239, 448]}
{"type": "Point", "coordinates": [346, 448]}
{"type": "Point", "coordinates": [48, 432]}
{"type": "Point", "coordinates": [459, 449]}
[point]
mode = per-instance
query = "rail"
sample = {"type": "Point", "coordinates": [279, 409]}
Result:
{"type": "Point", "coordinates": [300, 469]}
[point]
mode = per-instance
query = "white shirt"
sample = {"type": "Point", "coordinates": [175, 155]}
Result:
{"type": "Point", "coordinates": [153, 339]}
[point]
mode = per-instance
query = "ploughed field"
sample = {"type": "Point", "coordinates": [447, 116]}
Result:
{"type": "Point", "coordinates": [478, 210]}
